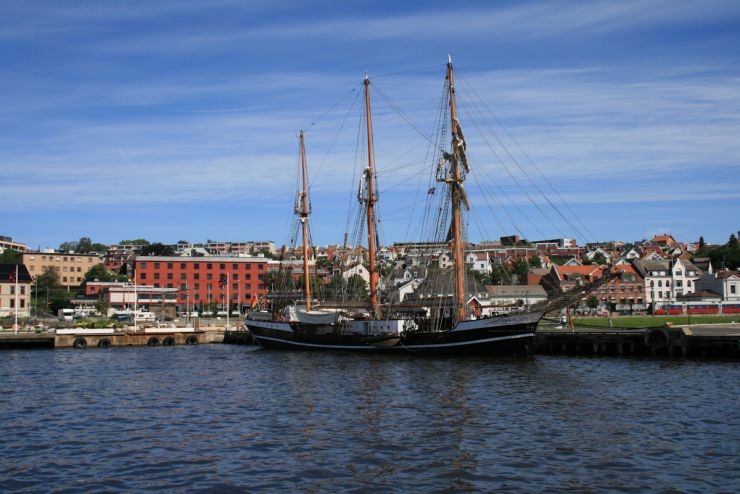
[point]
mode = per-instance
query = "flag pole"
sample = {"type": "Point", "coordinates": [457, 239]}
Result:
{"type": "Point", "coordinates": [136, 300]}
{"type": "Point", "coordinates": [228, 302]}
{"type": "Point", "coordinates": [15, 326]}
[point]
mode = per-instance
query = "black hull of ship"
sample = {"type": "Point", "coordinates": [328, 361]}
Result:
{"type": "Point", "coordinates": [511, 340]}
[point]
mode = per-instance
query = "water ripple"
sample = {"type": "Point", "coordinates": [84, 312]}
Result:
{"type": "Point", "coordinates": [227, 419]}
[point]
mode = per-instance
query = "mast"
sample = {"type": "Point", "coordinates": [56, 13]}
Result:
{"type": "Point", "coordinates": [302, 210]}
{"type": "Point", "coordinates": [457, 155]}
{"type": "Point", "coordinates": [371, 199]}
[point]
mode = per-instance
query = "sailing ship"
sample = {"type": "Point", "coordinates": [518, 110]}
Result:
{"type": "Point", "coordinates": [441, 324]}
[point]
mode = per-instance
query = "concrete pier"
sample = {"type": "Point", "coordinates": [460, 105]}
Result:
{"type": "Point", "coordinates": [696, 340]}
{"type": "Point", "coordinates": [105, 338]}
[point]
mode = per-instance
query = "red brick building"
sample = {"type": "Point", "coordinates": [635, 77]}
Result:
{"type": "Point", "coordinates": [624, 291]}
{"type": "Point", "coordinates": [198, 279]}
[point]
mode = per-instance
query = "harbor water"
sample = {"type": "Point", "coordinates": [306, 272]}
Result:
{"type": "Point", "coordinates": [221, 418]}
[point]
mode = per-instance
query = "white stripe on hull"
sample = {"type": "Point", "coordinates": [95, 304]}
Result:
{"type": "Point", "coordinates": [401, 346]}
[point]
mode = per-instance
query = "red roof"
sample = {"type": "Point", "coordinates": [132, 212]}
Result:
{"type": "Point", "coordinates": [587, 271]}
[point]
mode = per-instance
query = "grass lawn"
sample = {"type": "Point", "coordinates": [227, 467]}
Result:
{"type": "Point", "coordinates": [651, 321]}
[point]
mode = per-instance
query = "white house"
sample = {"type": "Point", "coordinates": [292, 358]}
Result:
{"type": "Point", "coordinates": [359, 270]}
{"type": "Point", "coordinates": [479, 262]}
{"type": "Point", "coordinates": [406, 289]}
{"type": "Point", "coordinates": [664, 280]}
{"type": "Point", "coordinates": [725, 283]}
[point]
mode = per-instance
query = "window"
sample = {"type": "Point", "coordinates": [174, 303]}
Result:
{"type": "Point", "coordinates": [169, 276]}
{"type": "Point", "coordinates": [169, 285]}
{"type": "Point", "coordinates": [196, 276]}
{"type": "Point", "coordinates": [197, 296]}
{"type": "Point", "coordinates": [234, 276]}
{"type": "Point", "coordinates": [247, 266]}
{"type": "Point", "coordinates": [182, 265]}
{"type": "Point", "coordinates": [142, 276]}
{"type": "Point", "coordinates": [23, 303]}
{"type": "Point", "coordinates": [156, 285]}
{"type": "Point", "coordinates": [235, 286]}
{"type": "Point", "coordinates": [156, 265]}
{"type": "Point", "coordinates": [209, 276]}
{"type": "Point", "coordinates": [142, 265]}
{"type": "Point", "coordinates": [660, 283]}
{"type": "Point", "coordinates": [23, 290]}
{"type": "Point", "coordinates": [197, 286]}
{"type": "Point", "coordinates": [248, 276]}
{"type": "Point", "coordinates": [732, 288]}
{"type": "Point", "coordinates": [169, 265]}
{"type": "Point", "coordinates": [222, 266]}
{"type": "Point", "coordinates": [209, 266]}
{"type": "Point", "coordinates": [183, 276]}
{"type": "Point", "coordinates": [156, 276]}
{"type": "Point", "coordinates": [12, 289]}
{"type": "Point", "coordinates": [209, 286]}
{"type": "Point", "coordinates": [679, 272]}
{"type": "Point", "coordinates": [183, 286]}
{"type": "Point", "coordinates": [234, 266]}
{"type": "Point", "coordinates": [248, 286]}
{"type": "Point", "coordinates": [196, 265]}
{"type": "Point", "coordinates": [261, 286]}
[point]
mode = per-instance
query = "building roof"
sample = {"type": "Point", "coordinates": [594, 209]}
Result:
{"type": "Point", "coordinates": [516, 290]}
{"type": "Point", "coordinates": [728, 274]}
{"type": "Point", "coordinates": [563, 272]}
{"type": "Point", "coordinates": [200, 259]}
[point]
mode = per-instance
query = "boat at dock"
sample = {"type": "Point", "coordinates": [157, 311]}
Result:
{"type": "Point", "coordinates": [440, 322]}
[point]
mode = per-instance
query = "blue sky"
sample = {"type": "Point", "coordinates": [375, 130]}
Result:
{"type": "Point", "coordinates": [176, 120]}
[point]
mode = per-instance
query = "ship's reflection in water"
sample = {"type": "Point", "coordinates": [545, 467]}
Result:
{"type": "Point", "coordinates": [226, 418]}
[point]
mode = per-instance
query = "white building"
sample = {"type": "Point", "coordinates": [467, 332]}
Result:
{"type": "Point", "coordinates": [666, 280]}
{"type": "Point", "coordinates": [725, 283]}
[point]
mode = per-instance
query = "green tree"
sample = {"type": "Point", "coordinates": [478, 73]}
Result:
{"type": "Point", "coordinates": [732, 242]}
{"type": "Point", "coordinates": [535, 261]}
{"type": "Point", "coordinates": [157, 249]}
{"type": "Point", "coordinates": [702, 244]}
{"type": "Point", "coordinates": [9, 256]}
{"type": "Point", "coordinates": [520, 267]}
{"type": "Point", "coordinates": [592, 302]}
{"type": "Point", "coordinates": [354, 288]}
{"type": "Point", "coordinates": [138, 241]}
{"type": "Point", "coordinates": [82, 246]}
{"type": "Point", "coordinates": [49, 289]}
{"type": "Point", "coordinates": [500, 274]}
{"type": "Point", "coordinates": [99, 273]}
{"type": "Point", "coordinates": [599, 259]}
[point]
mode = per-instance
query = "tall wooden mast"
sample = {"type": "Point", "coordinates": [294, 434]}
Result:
{"type": "Point", "coordinates": [457, 155]}
{"type": "Point", "coordinates": [371, 199]}
{"type": "Point", "coordinates": [302, 209]}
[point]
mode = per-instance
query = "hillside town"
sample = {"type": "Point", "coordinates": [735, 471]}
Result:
{"type": "Point", "coordinates": [661, 275]}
